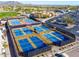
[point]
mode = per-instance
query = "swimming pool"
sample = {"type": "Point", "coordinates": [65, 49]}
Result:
{"type": "Point", "coordinates": [18, 32]}
{"type": "Point", "coordinates": [27, 31]}
{"type": "Point", "coordinates": [15, 22]}
{"type": "Point", "coordinates": [52, 39]}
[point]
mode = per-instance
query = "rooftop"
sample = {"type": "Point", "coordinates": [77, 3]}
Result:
{"type": "Point", "coordinates": [71, 28]}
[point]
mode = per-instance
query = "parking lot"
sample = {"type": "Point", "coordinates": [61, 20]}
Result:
{"type": "Point", "coordinates": [73, 52]}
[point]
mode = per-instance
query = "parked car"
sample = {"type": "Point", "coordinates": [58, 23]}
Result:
{"type": "Point", "coordinates": [61, 55]}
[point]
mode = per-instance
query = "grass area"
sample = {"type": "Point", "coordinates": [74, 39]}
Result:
{"type": "Point", "coordinates": [7, 14]}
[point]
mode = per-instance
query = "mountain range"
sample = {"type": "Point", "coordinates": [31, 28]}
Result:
{"type": "Point", "coordinates": [12, 3]}
{"type": "Point", "coordinates": [16, 3]}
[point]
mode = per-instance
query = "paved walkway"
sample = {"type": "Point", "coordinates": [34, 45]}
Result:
{"type": "Point", "coordinates": [1, 44]}
{"type": "Point", "coordinates": [73, 52]}
{"type": "Point", "coordinates": [2, 48]}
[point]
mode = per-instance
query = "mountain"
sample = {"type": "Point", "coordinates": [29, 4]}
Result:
{"type": "Point", "coordinates": [16, 3]}
{"type": "Point", "coordinates": [12, 3]}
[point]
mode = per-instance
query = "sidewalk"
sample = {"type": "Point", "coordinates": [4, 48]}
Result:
{"type": "Point", "coordinates": [4, 47]}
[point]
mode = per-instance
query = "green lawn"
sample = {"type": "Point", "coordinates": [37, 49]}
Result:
{"type": "Point", "coordinates": [7, 14]}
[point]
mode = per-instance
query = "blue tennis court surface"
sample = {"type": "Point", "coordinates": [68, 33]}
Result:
{"type": "Point", "coordinates": [44, 27]}
{"type": "Point", "coordinates": [18, 32]}
{"type": "Point", "coordinates": [27, 31]}
{"type": "Point", "coordinates": [53, 39]}
{"type": "Point", "coordinates": [38, 29]}
{"type": "Point", "coordinates": [39, 43]}
{"type": "Point", "coordinates": [29, 21]}
{"type": "Point", "coordinates": [15, 22]}
{"type": "Point", "coordinates": [25, 45]}
{"type": "Point", "coordinates": [64, 38]}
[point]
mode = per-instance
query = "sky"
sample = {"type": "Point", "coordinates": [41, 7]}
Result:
{"type": "Point", "coordinates": [48, 2]}
{"type": "Point", "coordinates": [51, 2]}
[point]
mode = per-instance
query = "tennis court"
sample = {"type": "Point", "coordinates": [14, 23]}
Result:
{"type": "Point", "coordinates": [38, 29]}
{"type": "Point", "coordinates": [39, 43]}
{"type": "Point", "coordinates": [64, 38]}
{"type": "Point", "coordinates": [18, 32]}
{"type": "Point", "coordinates": [44, 27]}
{"type": "Point", "coordinates": [25, 45]}
{"type": "Point", "coordinates": [15, 22]}
{"type": "Point", "coordinates": [52, 39]}
{"type": "Point", "coordinates": [32, 40]}
{"type": "Point", "coordinates": [27, 31]}
{"type": "Point", "coordinates": [29, 21]}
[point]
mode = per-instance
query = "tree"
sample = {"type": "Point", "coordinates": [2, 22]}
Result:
{"type": "Point", "coordinates": [18, 9]}
{"type": "Point", "coordinates": [68, 19]}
